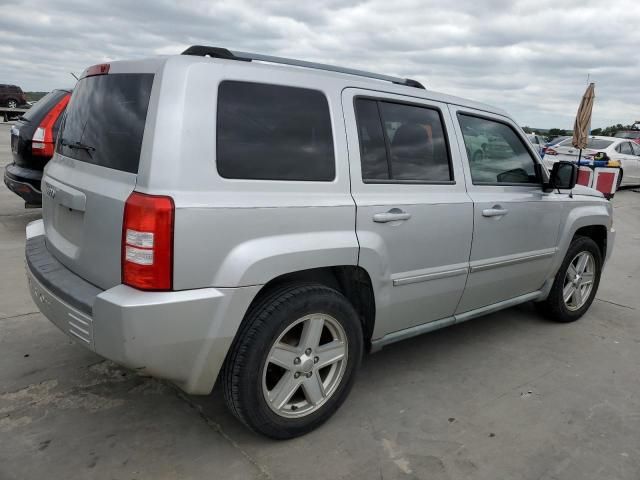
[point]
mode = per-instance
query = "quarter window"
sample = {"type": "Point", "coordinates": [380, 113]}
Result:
{"type": "Point", "coordinates": [272, 132]}
{"type": "Point", "coordinates": [401, 142]}
{"type": "Point", "coordinates": [496, 153]}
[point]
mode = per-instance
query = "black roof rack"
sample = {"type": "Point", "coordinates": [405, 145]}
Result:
{"type": "Point", "coordinates": [217, 52]}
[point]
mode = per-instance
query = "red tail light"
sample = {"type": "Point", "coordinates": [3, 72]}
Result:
{"type": "Point", "coordinates": [42, 142]}
{"type": "Point", "coordinates": [147, 242]}
{"type": "Point", "coordinates": [550, 151]}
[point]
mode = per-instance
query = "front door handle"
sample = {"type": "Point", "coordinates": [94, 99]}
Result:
{"type": "Point", "coordinates": [495, 211]}
{"type": "Point", "coordinates": [393, 215]}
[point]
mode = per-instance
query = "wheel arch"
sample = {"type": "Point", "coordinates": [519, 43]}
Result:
{"type": "Point", "coordinates": [353, 281]}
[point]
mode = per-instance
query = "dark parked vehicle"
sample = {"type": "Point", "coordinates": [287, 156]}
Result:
{"type": "Point", "coordinates": [33, 139]}
{"type": "Point", "coordinates": [11, 96]}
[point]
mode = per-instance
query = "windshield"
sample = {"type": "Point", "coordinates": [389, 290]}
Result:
{"type": "Point", "coordinates": [105, 120]}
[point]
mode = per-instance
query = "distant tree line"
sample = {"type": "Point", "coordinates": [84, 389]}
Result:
{"type": "Point", "coordinates": [559, 132]}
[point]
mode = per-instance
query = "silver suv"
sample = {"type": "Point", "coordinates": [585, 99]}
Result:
{"type": "Point", "coordinates": [263, 222]}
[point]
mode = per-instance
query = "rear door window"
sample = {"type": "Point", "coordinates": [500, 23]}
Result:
{"type": "Point", "coordinates": [105, 120]}
{"type": "Point", "coordinates": [625, 148]}
{"type": "Point", "coordinates": [273, 132]}
{"type": "Point", "coordinates": [402, 142]}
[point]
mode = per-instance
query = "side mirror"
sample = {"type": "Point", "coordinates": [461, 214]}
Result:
{"type": "Point", "coordinates": [564, 175]}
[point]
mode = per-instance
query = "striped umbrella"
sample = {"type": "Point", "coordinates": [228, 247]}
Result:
{"type": "Point", "coordinates": [582, 124]}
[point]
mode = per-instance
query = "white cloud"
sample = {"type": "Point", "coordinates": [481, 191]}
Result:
{"type": "Point", "coordinates": [529, 57]}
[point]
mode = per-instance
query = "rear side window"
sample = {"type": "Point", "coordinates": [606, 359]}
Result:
{"type": "Point", "coordinates": [272, 132]}
{"type": "Point", "coordinates": [401, 142]}
{"type": "Point", "coordinates": [625, 148]}
{"type": "Point", "coordinates": [105, 120]}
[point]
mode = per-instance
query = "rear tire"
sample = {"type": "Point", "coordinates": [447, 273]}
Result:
{"type": "Point", "coordinates": [571, 294]}
{"type": "Point", "coordinates": [11, 103]}
{"type": "Point", "coordinates": [284, 375]}
{"type": "Point", "coordinates": [620, 175]}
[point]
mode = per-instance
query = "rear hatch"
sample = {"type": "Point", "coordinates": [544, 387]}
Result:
{"type": "Point", "coordinates": [22, 132]}
{"type": "Point", "coordinates": [94, 170]}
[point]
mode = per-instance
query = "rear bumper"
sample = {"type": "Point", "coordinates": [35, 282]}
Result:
{"type": "Point", "coordinates": [180, 336]}
{"type": "Point", "coordinates": [24, 182]}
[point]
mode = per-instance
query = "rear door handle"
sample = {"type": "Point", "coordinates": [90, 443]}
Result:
{"type": "Point", "coordinates": [393, 215]}
{"type": "Point", "coordinates": [496, 211]}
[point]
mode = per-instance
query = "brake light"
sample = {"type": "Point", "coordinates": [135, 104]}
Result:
{"type": "Point", "coordinates": [42, 142]}
{"type": "Point", "coordinates": [100, 69]}
{"type": "Point", "coordinates": [550, 151]}
{"type": "Point", "coordinates": [147, 242]}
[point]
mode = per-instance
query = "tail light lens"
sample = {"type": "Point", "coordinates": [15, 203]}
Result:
{"type": "Point", "coordinates": [147, 242]}
{"type": "Point", "coordinates": [42, 142]}
{"type": "Point", "coordinates": [550, 151]}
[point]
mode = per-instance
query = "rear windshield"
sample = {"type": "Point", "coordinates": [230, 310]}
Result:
{"type": "Point", "coordinates": [628, 134]}
{"type": "Point", "coordinates": [597, 144]}
{"type": "Point", "coordinates": [105, 120]}
{"type": "Point", "coordinates": [593, 143]}
{"type": "Point", "coordinates": [39, 109]}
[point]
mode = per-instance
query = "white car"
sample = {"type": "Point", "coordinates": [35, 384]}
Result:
{"type": "Point", "coordinates": [621, 149]}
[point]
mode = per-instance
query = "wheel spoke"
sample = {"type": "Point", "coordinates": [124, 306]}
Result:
{"type": "Point", "coordinates": [587, 278]}
{"type": "Point", "coordinates": [582, 263]}
{"type": "Point", "coordinates": [568, 292]}
{"type": "Point", "coordinates": [577, 297]}
{"type": "Point", "coordinates": [313, 388]}
{"type": "Point", "coordinates": [311, 333]}
{"type": "Point", "coordinates": [330, 353]}
{"type": "Point", "coordinates": [283, 355]}
{"type": "Point", "coordinates": [572, 271]}
{"type": "Point", "coordinates": [284, 390]}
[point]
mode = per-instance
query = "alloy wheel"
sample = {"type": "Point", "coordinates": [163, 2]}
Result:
{"type": "Point", "coordinates": [578, 281]}
{"type": "Point", "coordinates": [305, 365]}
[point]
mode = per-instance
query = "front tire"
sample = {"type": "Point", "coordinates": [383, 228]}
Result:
{"type": "Point", "coordinates": [576, 283]}
{"type": "Point", "coordinates": [11, 103]}
{"type": "Point", "coordinates": [294, 360]}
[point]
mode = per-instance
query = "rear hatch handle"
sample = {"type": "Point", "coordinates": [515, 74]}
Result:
{"type": "Point", "coordinates": [64, 195]}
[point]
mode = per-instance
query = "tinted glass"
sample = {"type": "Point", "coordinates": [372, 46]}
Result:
{"type": "Point", "coordinates": [636, 149]}
{"type": "Point", "coordinates": [39, 109]}
{"type": "Point", "coordinates": [504, 158]}
{"type": "Point", "coordinates": [271, 132]}
{"type": "Point", "coordinates": [107, 114]}
{"type": "Point", "coordinates": [417, 144]}
{"type": "Point", "coordinates": [373, 153]}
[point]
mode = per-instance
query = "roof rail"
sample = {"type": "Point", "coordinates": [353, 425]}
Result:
{"type": "Point", "coordinates": [217, 52]}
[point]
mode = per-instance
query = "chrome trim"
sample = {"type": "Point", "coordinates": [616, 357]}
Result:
{"type": "Point", "coordinates": [512, 261]}
{"type": "Point", "coordinates": [429, 276]}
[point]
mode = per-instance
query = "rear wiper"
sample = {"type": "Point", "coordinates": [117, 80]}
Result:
{"type": "Point", "coordinates": [24, 119]}
{"type": "Point", "coordinates": [78, 146]}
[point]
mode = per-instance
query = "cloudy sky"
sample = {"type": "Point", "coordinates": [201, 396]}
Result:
{"type": "Point", "coordinates": [531, 58]}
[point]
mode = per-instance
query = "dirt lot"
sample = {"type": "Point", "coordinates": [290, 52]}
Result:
{"type": "Point", "coordinates": [507, 396]}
